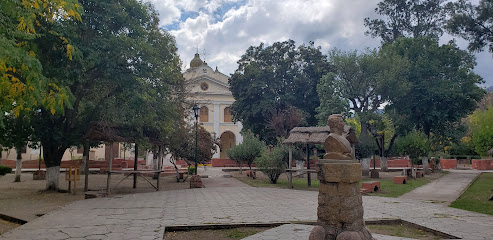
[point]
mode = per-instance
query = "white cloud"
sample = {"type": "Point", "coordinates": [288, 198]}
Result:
{"type": "Point", "coordinates": [329, 23]}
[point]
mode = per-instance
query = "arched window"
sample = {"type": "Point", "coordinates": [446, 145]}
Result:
{"type": "Point", "coordinates": [204, 114]}
{"type": "Point", "coordinates": [227, 115]}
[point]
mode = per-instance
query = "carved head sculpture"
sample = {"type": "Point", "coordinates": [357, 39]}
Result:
{"type": "Point", "coordinates": [336, 124]}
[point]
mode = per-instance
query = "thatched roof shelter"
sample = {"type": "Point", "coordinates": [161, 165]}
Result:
{"type": "Point", "coordinates": [317, 135]}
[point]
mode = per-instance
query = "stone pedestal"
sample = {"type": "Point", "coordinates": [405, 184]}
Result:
{"type": "Point", "coordinates": [374, 173]}
{"type": "Point", "coordinates": [365, 166]}
{"type": "Point", "coordinates": [340, 206]}
{"type": "Point", "coordinates": [196, 182]}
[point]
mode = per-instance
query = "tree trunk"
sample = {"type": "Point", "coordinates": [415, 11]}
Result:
{"type": "Point", "coordinates": [155, 162]}
{"type": "Point", "coordinates": [86, 166]}
{"type": "Point", "coordinates": [53, 155]}
{"type": "Point", "coordinates": [425, 165]}
{"type": "Point", "coordinates": [18, 165]}
{"type": "Point", "coordinates": [52, 178]}
{"type": "Point", "coordinates": [383, 164]}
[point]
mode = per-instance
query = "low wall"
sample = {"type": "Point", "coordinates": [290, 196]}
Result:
{"type": "Point", "coordinates": [221, 162]}
{"type": "Point", "coordinates": [393, 162]}
{"type": "Point", "coordinates": [448, 163]}
{"type": "Point", "coordinates": [34, 164]}
{"type": "Point", "coordinates": [482, 164]}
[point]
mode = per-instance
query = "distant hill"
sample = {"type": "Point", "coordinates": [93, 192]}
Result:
{"type": "Point", "coordinates": [489, 89]}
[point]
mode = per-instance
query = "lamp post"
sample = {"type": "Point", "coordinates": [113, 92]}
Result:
{"type": "Point", "coordinates": [196, 114]}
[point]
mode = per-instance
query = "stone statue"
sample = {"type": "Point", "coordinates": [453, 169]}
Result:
{"type": "Point", "coordinates": [340, 205]}
{"type": "Point", "coordinates": [336, 146]}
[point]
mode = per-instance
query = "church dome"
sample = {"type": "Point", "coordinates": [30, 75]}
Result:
{"type": "Point", "coordinates": [196, 61]}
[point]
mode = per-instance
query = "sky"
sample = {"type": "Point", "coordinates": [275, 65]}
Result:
{"type": "Point", "coordinates": [222, 30]}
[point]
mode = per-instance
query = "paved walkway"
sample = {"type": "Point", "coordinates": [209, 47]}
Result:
{"type": "Point", "coordinates": [298, 231]}
{"type": "Point", "coordinates": [216, 178]}
{"type": "Point", "coordinates": [144, 216]}
{"type": "Point", "coordinates": [445, 189]}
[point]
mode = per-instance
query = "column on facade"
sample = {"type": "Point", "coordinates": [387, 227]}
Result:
{"type": "Point", "coordinates": [216, 122]}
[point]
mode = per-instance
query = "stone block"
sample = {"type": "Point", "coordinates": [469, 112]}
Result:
{"type": "Point", "coordinates": [317, 233]}
{"type": "Point", "coordinates": [196, 182]}
{"type": "Point", "coordinates": [349, 235]}
{"type": "Point", "coordinates": [350, 202]}
{"type": "Point", "coordinates": [39, 175]}
{"type": "Point", "coordinates": [328, 215]}
{"type": "Point", "coordinates": [332, 201]}
{"type": "Point", "coordinates": [400, 179]}
{"type": "Point", "coordinates": [340, 172]}
{"type": "Point", "coordinates": [351, 215]}
{"type": "Point", "coordinates": [347, 189]}
{"type": "Point", "coordinates": [374, 173]}
{"type": "Point", "coordinates": [328, 188]}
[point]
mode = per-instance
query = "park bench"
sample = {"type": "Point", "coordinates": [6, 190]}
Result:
{"type": "Point", "coordinates": [400, 179]}
{"type": "Point", "coordinates": [371, 186]}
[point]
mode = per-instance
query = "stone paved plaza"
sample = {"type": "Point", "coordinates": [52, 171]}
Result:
{"type": "Point", "coordinates": [144, 216]}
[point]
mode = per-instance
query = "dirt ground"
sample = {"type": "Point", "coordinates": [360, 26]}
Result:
{"type": "Point", "coordinates": [27, 200]}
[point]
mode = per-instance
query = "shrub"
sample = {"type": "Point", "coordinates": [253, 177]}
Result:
{"type": "Point", "coordinates": [191, 170]}
{"type": "Point", "coordinates": [4, 170]}
{"type": "Point", "coordinates": [273, 162]}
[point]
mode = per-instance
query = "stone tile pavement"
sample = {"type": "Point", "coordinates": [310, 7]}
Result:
{"type": "Point", "coordinates": [145, 215]}
{"type": "Point", "coordinates": [299, 231]}
{"type": "Point", "coordinates": [445, 189]}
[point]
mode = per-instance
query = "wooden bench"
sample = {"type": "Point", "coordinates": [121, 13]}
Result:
{"type": "Point", "coordinates": [400, 179]}
{"type": "Point", "coordinates": [290, 174]}
{"type": "Point", "coordinates": [372, 186]}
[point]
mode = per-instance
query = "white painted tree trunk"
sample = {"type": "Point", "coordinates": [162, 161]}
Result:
{"type": "Point", "coordinates": [18, 168]}
{"type": "Point", "coordinates": [425, 165]}
{"type": "Point", "coordinates": [383, 164]}
{"type": "Point", "coordinates": [52, 178]}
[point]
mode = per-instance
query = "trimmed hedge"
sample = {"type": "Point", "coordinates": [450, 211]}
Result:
{"type": "Point", "coordinates": [4, 170]}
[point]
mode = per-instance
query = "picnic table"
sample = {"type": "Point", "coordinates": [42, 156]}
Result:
{"type": "Point", "coordinates": [139, 173]}
{"type": "Point", "coordinates": [291, 170]}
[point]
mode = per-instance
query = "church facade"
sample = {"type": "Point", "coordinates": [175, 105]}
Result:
{"type": "Point", "coordinates": [210, 91]}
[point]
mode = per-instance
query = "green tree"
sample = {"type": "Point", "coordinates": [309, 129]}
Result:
{"type": "Point", "coordinates": [481, 124]}
{"type": "Point", "coordinates": [123, 70]}
{"type": "Point", "coordinates": [473, 23]}
{"type": "Point", "coordinates": [17, 133]}
{"type": "Point", "coordinates": [272, 79]}
{"type": "Point", "coordinates": [247, 151]}
{"type": "Point", "coordinates": [273, 161]}
{"type": "Point", "coordinates": [359, 83]}
{"type": "Point", "coordinates": [22, 82]}
{"type": "Point", "coordinates": [415, 144]}
{"type": "Point", "coordinates": [406, 18]}
{"type": "Point", "coordinates": [442, 85]}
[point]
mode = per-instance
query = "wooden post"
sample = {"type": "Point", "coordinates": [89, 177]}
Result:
{"type": "Point", "coordinates": [69, 178]}
{"type": "Point", "coordinates": [308, 165]}
{"type": "Point", "coordinates": [135, 163]}
{"type": "Point", "coordinates": [159, 166]}
{"type": "Point", "coordinates": [86, 166]}
{"type": "Point", "coordinates": [110, 162]}
{"type": "Point", "coordinates": [290, 173]}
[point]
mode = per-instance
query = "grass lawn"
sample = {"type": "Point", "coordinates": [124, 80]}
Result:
{"type": "Point", "coordinates": [298, 183]}
{"type": "Point", "coordinates": [389, 189]}
{"type": "Point", "coordinates": [475, 198]}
